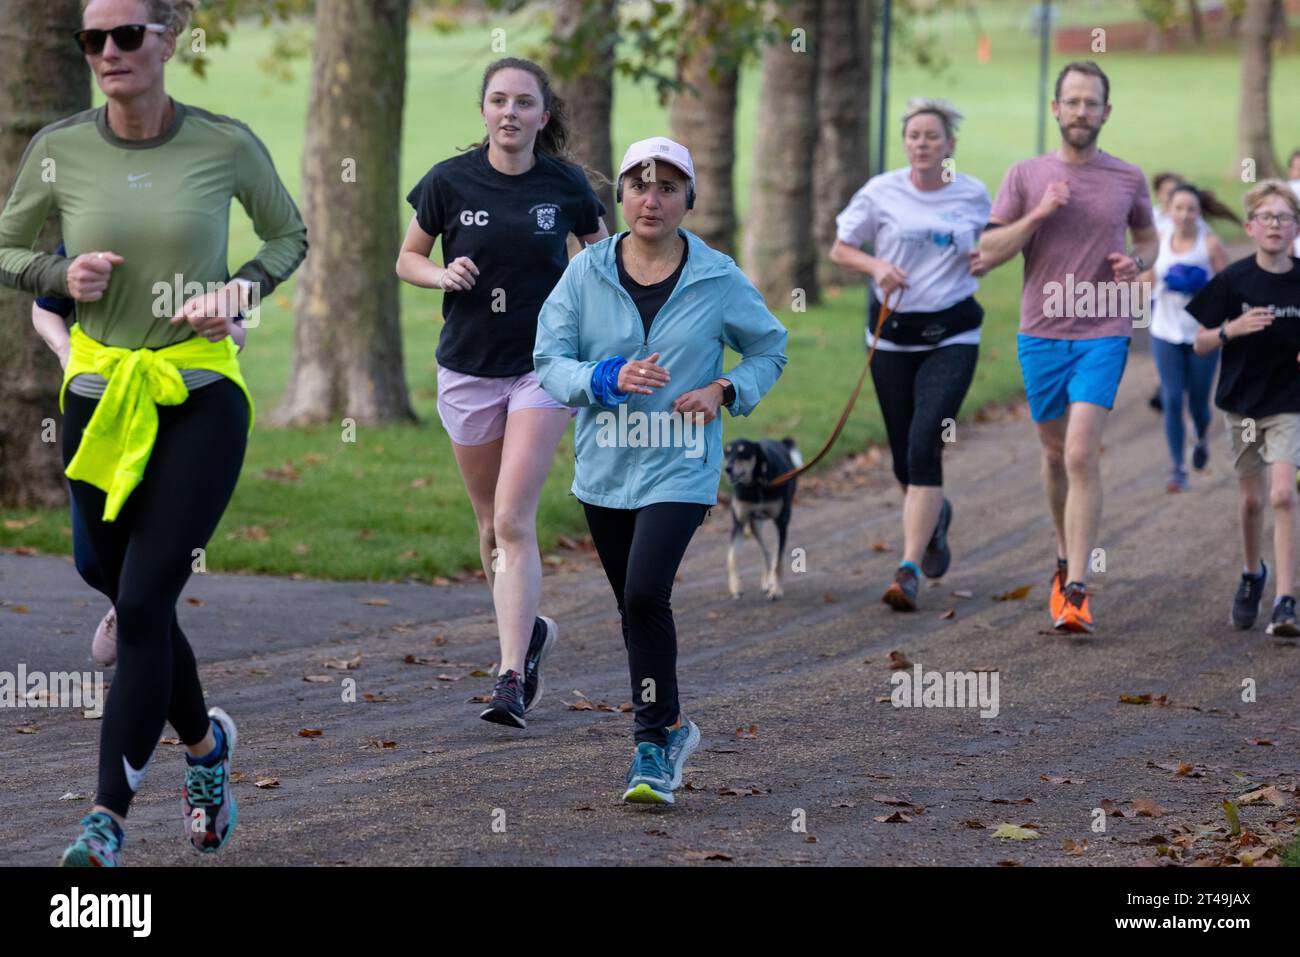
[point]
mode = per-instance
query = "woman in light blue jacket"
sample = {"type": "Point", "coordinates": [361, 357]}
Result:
{"type": "Point", "coordinates": [633, 336]}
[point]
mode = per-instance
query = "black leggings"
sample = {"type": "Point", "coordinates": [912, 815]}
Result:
{"type": "Point", "coordinates": [917, 391]}
{"type": "Point", "coordinates": [145, 557]}
{"type": "Point", "coordinates": [641, 549]}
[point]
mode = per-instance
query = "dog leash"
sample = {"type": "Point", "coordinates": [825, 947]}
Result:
{"type": "Point", "coordinates": [885, 310]}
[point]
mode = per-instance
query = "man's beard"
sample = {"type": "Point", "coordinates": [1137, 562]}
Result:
{"type": "Point", "coordinates": [1080, 139]}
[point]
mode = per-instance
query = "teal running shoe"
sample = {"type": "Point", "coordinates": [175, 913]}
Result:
{"type": "Point", "coordinates": [209, 804]}
{"type": "Point", "coordinates": [100, 844]}
{"type": "Point", "coordinates": [682, 743]}
{"type": "Point", "coordinates": [648, 779]}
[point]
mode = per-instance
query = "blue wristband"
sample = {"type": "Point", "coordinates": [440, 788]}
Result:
{"type": "Point", "coordinates": [604, 381]}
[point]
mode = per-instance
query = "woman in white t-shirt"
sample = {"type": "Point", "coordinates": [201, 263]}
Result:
{"type": "Point", "coordinates": [923, 223]}
{"type": "Point", "coordinates": [1190, 254]}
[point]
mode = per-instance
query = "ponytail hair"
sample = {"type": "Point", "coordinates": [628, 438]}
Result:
{"type": "Point", "coordinates": [1211, 206]}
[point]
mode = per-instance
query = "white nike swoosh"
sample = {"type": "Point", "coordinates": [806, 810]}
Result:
{"type": "Point", "coordinates": [138, 176]}
{"type": "Point", "coordinates": [134, 777]}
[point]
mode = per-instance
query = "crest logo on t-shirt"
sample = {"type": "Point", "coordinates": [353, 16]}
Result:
{"type": "Point", "coordinates": [545, 215]}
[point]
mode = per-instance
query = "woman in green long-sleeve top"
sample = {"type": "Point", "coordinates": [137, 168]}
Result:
{"type": "Point", "coordinates": [155, 412]}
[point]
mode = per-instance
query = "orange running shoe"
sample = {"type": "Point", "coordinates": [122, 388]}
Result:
{"type": "Point", "coordinates": [1075, 616]}
{"type": "Point", "coordinates": [1056, 602]}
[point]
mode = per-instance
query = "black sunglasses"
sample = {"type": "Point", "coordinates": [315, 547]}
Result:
{"type": "Point", "coordinates": [126, 38]}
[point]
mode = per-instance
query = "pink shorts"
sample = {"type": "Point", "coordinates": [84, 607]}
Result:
{"type": "Point", "coordinates": [474, 408]}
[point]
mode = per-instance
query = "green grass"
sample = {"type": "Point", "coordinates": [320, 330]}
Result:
{"type": "Point", "coordinates": [391, 506]}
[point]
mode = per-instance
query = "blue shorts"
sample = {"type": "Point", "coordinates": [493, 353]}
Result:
{"type": "Point", "coordinates": [1060, 371]}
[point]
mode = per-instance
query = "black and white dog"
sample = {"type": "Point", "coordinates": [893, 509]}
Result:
{"type": "Point", "coordinates": [751, 466]}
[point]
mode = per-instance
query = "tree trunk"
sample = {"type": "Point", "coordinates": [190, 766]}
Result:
{"type": "Point", "coordinates": [703, 119]}
{"type": "Point", "coordinates": [1194, 17]}
{"type": "Point", "coordinates": [844, 123]}
{"type": "Point", "coordinates": [1254, 119]}
{"type": "Point", "coordinates": [42, 79]}
{"type": "Point", "coordinates": [347, 346]}
{"type": "Point", "coordinates": [583, 76]}
{"type": "Point", "coordinates": [780, 258]}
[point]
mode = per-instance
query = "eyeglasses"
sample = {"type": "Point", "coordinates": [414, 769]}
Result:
{"type": "Point", "coordinates": [126, 38]}
{"type": "Point", "coordinates": [1091, 106]}
{"type": "Point", "coordinates": [1275, 219]}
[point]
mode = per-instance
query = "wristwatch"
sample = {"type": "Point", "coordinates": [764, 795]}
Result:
{"type": "Point", "coordinates": [728, 391]}
{"type": "Point", "coordinates": [1223, 333]}
{"type": "Point", "coordinates": [1138, 259]}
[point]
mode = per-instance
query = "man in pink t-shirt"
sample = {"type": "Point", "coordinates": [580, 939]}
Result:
{"type": "Point", "coordinates": [1069, 211]}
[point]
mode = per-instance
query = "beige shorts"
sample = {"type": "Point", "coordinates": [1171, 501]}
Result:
{"type": "Point", "coordinates": [1273, 438]}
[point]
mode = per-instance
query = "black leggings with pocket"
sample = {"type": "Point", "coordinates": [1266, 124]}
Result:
{"type": "Point", "coordinates": [917, 391]}
{"type": "Point", "coordinates": [145, 557]}
{"type": "Point", "coordinates": [641, 549]}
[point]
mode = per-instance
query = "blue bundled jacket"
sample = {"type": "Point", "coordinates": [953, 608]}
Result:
{"type": "Point", "coordinates": [630, 454]}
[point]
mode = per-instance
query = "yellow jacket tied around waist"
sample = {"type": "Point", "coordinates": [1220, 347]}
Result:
{"type": "Point", "coordinates": [119, 438]}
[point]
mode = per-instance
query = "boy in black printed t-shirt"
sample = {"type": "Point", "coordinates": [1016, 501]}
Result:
{"type": "Point", "coordinates": [1252, 310]}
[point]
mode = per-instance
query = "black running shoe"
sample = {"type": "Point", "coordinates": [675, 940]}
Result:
{"type": "Point", "coordinates": [937, 557]}
{"type": "Point", "coordinates": [507, 704]}
{"type": "Point", "coordinates": [545, 633]}
{"type": "Point", "coordinates": [1245, 604]}
{"type": "Point", "coordinates": [1284, 624]}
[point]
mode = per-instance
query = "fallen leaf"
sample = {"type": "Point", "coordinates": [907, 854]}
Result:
{"type": "Point", "coordinates": [318, 679]}
{"type": "Point", "coordinates": [1016, 594]}
{"type": "Point", "coordinates": [19, 609]}
{"type": "Point", "coordinates": [377, 602]}
{"type": "Point", "coordinates": [880, 546]}
{"type": "Point", "coordinates": [810, 839]}
{"type": "Point", "coordinates": [742, 792]}
{"type": "Point", "coordinates": [1027, 800]}
{"type": "Point", "coordinates": [1145, 807]}
{"type": "Point", "coordinates": [898, 817]}
{"type": "Point", "coordinates": [1114, 810]}
{"type": "Point", "coordinates": [194, 601]}
{"type": "Point", "coordinates": [963, 593]}
{"type": "Point", "coordinates": [891, 800]}
{"type": "Point", "coordinates": [841, 802]}
{"type": "Point", "coordinates": [1262, 742]}
{"type": "Point", "coordinates": [1269, 794]}
{"type": "Point", "coordinates": [972, 825]}
{"type": "Point", "coordinates": [950, 613]}
{"type": "Point", "coordinates": [310, 732]}
{"type": "Point", "coordinates": [72, 796]}
{"type": "Point", "coordinates": [750, 732]}
{"type": "Point", "coordinates": [375, 698]}
{"type": "Point", "coordinates": [382, 745]}
{"type": "Point", "coordinates": [1051, 779]}
{"type": "Point", "coordinates": [1234, 819]}
{"type": "Point", "coordinates": [343, 664]}
{"type": "Point", "coordinates": [1071, 846]}
{"type": "Point", "coordinates": [898, 661]}
{"type": "Point", "coordinates": [1144, 699]}
{"type": "Point", "coordinates": [478, 699]}
{"type": "Point", "coordinates": [1013, 833]}
{"type": "Point", "coordinates": [707, 856]}
{"type": "Point", "coordinates": [267, 783]}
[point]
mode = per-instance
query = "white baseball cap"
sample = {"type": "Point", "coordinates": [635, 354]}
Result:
{"type": "Point", "coordinates": [659, 149]}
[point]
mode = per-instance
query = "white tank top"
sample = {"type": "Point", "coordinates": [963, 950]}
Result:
{"type": "Point", "coordinates": [1170, 319]}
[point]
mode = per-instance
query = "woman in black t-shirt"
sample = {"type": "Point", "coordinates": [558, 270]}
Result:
{"type": "Point", "coordinates": [504, 210]}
